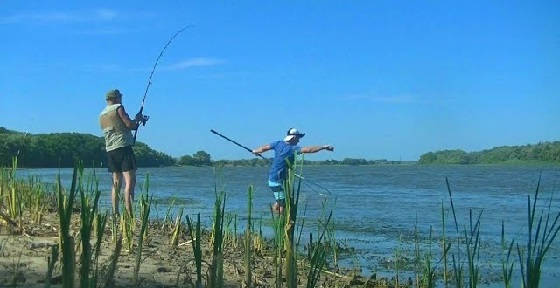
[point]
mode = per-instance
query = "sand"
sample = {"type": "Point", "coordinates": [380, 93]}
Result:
{"type": "Point", "coordinates": [24, 255]}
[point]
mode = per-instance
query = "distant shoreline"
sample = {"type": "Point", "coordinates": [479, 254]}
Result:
{"type": "Point", "coordinates": [410, 163]}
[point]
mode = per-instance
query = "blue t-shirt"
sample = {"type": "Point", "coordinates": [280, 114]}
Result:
{"type": "Point", "coordinates": [279, 168]}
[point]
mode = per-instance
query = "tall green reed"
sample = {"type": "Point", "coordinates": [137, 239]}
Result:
{"type": "Point", "coordinates": [167, 213]}
{"type": "Point", "coordinates": [145, 206]}
{"type": "Point", "coordinates": [178, 227]}
{"type": "Point", "coordinates": [318, 257]}
{"type": "Point", "coordinates": [456, 258]}
{"type": "Point", "coordinates": [429, 270]}
{"type": "Point", "coordinates": [88, 212]}
{"type": "Point", "coordinates": [14, 198]}
{"type": "Point", "coordinates": [216, 277]}
{"type": "Point", "coordinates": [248, 240]}
{"type": "Point", "coordinates": [538, 241]}
{"type": "Point", "coordinates": [197, 250]}
{"type": "Point", "coordinates": [507, 263]}
{"type": "Point", "coordinates": [65, 206]}
{"type": "Point", "coordinates": [128, 225]}
{"type": "Point", "coordinates": [100, 224]}
{"type": "Point", "coordinates": [397, 262]}
{"type": "Point", "coordinates": [472, 245]}
{"type": "Point", "coordinates": [51, 261]}
{"type": "Point", "coordinates": [445, 246]}
{"type": "Point", "coordinates": [471, 240]}
{"type": "Point", "coordinates": [278, 223]}
{"type": "Point", "coordinates": [292, 193]}
{"type": "Point", "coordinates": [113, 262]}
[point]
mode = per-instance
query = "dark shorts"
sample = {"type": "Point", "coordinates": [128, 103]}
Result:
{"type": "Point", "coordinates": [121, 160]}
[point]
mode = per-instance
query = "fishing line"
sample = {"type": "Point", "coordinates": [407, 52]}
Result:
{"type": "Point", "coordinates": [152, 74]}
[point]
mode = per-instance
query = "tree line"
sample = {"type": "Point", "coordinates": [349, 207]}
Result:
{"type": "Point", "coordinates": [64, 149]}
{"type": "Point", "coordinates": [541, 152]}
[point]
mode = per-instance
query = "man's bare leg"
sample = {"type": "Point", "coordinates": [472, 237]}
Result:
{"type": "Point", "coordinates": [129, 185]}
{"type": "Point", "coordinates": [278, 208]}
{"type": "Point", "coordinates": [117, 184]}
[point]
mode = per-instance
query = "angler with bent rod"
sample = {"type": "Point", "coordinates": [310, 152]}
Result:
{"type": "Point", "coordinates": [117, 127]}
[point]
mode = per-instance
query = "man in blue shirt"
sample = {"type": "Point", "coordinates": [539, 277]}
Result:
{"type": "Point", "coordinates": [284, 153]}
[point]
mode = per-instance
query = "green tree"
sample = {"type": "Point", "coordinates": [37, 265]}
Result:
{"type": "Point", "coordinates": [202, 158]}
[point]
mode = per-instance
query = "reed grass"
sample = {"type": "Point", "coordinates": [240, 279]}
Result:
{"type": "Point", "coordinates": [88, 212]}
{"type": "Point", "coordinates": [100, 224]}
{"type": "Point", "coordinates": [301, 224]}
{"type": "Point", "coordinates": [197, 250]}
{"type": "Point", "coordinates": [37, 200]}
{"type": "Point", "coordinates": [397, 262]}
{"type": "Point", "coordinates": [167, 218]}
{"type": "Point", "coordinates": [429, 270]}
{"type": "Point", "coordinates": [128, 225]}
{"type": "Point", "coordinates": [235, 231]}
{"type": "Point", "coordinates": [259, 243]}
{"type": "Point", "coordinates": [417, 258]}
{"type": "Point", "coordinates": [177, 229]}
{"type": "Point", "coordinates": [456, 258]}
{"type": "Point", "coordinates": [228, 230]}
{"type": "Point", "coordinates": [472, 245]}
{"type": "Point", "coordinates": [507, 263]}
{"type": "Point", "coordinates": [292, 193]}
{"type": "Point", "coordinates": [445, 246]}
{"type": "Point", "coordinates": [65, 206]}
{"type": "Point", "coordinates": [19, 196]}
{"type": "Point", "coordinates": [278, 223]}
{"type": "Point", "coordinates": [145, 206]}
{"type": "Point", "coordinates": [113, 262]}
{"type": "Point", "coordinates": [114, 227]}
{"type": "Point", "coordinates": [216, 269]}
{"type": "Point", "coordinates": [32, 197]}
{"type": "Point", "coordinates": [318, 259]}
{"type": "Point", "coordinates": [538, 240]}
{"type": "Point", "coordinates": [14, 203]}
{"type": "Point", "coordinates": [51, 261]}
{"type": "Point", "coordinates": [248, 240]}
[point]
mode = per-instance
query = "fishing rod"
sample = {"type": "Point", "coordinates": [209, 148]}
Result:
{"type": "Point", "coordinates": [145, 118]}
{"type": "Point", "coordinates": [237, 143]}
{"type": "Point", "coordinates": [251, 151]}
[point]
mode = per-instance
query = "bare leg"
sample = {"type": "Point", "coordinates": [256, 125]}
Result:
{"type": "Point", "coordinates": [115, 191]}
{"type": "Point", "coordinates": [278, 208]}
{"type": "Point", "coordinates": [129, 185]}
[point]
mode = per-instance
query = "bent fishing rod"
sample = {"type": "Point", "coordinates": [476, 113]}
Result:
{"type": "Point", "coordinates": [261, 156]}
{"type": "Point", "coordinates": [145, 118]}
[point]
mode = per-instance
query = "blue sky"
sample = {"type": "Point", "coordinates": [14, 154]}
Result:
{"type": "Point", "coordinates": [376, 79]}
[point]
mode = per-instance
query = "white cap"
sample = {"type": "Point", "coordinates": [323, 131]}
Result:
{"type": "Point", "coordinates": [293, 132]}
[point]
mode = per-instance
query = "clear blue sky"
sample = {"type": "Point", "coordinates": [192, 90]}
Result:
{"type": "Point", "coordinates": [376, 79]}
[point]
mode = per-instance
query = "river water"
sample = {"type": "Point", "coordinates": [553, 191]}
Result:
{"type": "Point", "coordinates": [375, 208]}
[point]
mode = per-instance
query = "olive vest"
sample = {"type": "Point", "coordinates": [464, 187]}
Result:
{"type": "Point", "coordinates": [115, 131]}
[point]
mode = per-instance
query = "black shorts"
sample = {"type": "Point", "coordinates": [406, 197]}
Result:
{"type": "Point", "coordinates": [121, 160]}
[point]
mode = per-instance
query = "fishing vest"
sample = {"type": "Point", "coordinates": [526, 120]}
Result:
{"type": "Point", "coordinates": [115, 131]}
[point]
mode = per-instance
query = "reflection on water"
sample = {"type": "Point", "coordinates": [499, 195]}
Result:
{"type": "Point", "coordinates": [374, 206]}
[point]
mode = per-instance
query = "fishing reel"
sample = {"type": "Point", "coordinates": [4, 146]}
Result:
{"type": "Point", "coordinates": [144, 119]}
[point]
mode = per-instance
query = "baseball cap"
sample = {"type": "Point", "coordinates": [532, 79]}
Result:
{"type": "Point", "coordinates": [293, 132]}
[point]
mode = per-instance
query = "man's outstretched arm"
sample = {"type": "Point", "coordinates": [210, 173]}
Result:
{"type": "Point", "coordinates": [315, 149]}
{"type": "Point", "coordinates": [261, 149]}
